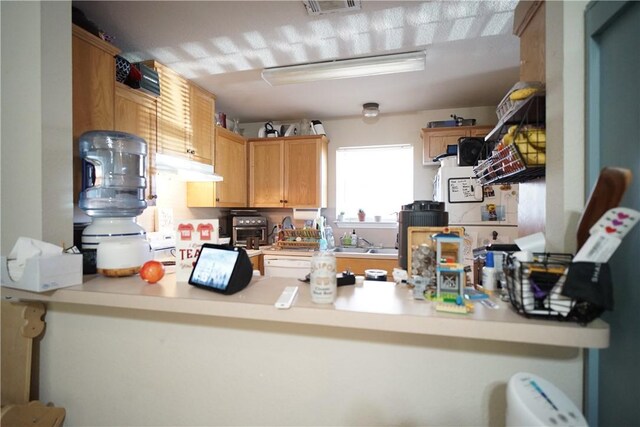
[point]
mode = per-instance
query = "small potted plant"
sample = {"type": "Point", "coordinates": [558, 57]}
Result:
{"type": "Point", "coordinates": [341, 216]}
{"type": "Point", "coordinates": [361, 215]}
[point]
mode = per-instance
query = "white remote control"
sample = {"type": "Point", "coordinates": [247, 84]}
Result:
{"type": "Point", "coordinates": [286, 298]}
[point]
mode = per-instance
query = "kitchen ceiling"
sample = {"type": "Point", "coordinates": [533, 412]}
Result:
{"type": "Point", "coordinates": [472, 57]}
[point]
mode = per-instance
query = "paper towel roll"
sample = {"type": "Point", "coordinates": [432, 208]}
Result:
{"type": "Point", "coordinates": [306, 214]}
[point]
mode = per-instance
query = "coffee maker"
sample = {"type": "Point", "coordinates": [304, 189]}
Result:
{"type": "Point", "coordinates": [113, 193]}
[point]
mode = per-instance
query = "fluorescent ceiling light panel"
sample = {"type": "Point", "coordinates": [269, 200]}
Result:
{"type": "Point", "coordinates": [346, 68]}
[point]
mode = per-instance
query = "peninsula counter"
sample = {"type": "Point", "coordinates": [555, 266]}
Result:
{"type": "Point", "coordinates": [121, 352]}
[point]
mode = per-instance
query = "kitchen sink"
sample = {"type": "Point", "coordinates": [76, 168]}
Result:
{"type": "Point", "coordinates": [346, 250]}
{"type": "Point", "coordinates": [390, 251]}
{"type": "Point", "coordinates": [351, 250]}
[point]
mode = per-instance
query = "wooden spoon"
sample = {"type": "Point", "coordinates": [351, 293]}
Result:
{"type": "Point", "coordinates": [606, 194]}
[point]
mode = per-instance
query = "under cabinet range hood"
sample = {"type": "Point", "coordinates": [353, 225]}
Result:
{"type": "Point", "coordinates": [185, 169]}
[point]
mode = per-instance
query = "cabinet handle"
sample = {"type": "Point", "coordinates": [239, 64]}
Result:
{"type": "Point", "coordinates": [217, 199]}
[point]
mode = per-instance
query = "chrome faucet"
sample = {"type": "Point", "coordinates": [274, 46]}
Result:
{"type": "Point", "coordinates": [362, 240]}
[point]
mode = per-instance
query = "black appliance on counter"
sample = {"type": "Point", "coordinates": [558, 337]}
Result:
{"type": "Point", "coordinates": [244, 224]}
{"type": "Point", "coordinates": [421, 213]}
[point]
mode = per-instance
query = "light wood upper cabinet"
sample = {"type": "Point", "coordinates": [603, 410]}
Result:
{"type": "Point", "coordinates": [185, 117]}
{"type": "Point", "coordinates": [173, 111]}
{"type": "Point", "coordinates": [529, 25]}
{"type": "Point", "coordinates": [231, 164]}
{"type": "Point", "coordinates": [94, 79]}
{"type": "Point", "coordinates": [135, 112]}
{"type": "Point", "coordinates": [288, 172]}
{"type": "Point", "coordinates": [435, 140]}
{"type": "Point", "coordinates": [266, 173]}
{"type": "Point", "coordinates": [201, 110]}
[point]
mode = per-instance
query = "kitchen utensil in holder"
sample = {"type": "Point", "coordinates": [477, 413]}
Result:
{"type": "Point", "coordinates": [553, 287]}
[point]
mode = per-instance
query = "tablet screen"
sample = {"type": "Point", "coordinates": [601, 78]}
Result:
{"type": "Point", "coordinates": [214, 268]}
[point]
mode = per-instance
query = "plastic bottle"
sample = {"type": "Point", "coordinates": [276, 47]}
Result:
{"type": "Point", "coordinates": [354, 238]}
{"type": "Point", "coordinates": [489, 273]}
{"type": "Point", "coordinates": [346, 239]}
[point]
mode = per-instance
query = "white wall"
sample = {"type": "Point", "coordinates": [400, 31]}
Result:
{"type": "Point", "coordinates": [565, 174]}
{"type": "Point", "coordinates": [36, 172]}
{"type": "Point", "coordinates": [121, 367]}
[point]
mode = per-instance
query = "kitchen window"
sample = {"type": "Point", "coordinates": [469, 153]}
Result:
{"type": "Point", "coordinates": [376, 179]}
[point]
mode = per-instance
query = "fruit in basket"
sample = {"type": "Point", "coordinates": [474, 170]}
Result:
{"type": "Point", "coordinates": [532, 155]}
{"type": "Point", "coordinates": [537, 137]}
{"type": "Point", "coordinates": [520, 94]}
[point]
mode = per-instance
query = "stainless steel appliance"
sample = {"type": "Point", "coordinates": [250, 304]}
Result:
{"type": "Point", "coordinates": [248, 227]}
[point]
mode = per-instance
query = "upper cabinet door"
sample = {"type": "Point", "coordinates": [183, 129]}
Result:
{"type": "Point", "coordinates": [289, 172]}
{"type": "Point", "coordinates": [305, 176]}
{"type": "Point", "coordinates": [201, 107]}
{"type": "Point", "coordinates": [173, 111]}
{"type": "Point", "coordinates": [94, 79]}
{"type": "Point", "coordinates": [135, 112]}
{"type": "Point", "coordinates": [529, 25]}
{"type": "Point", "coordinates": [266, 173]}
{"type": "Point", "coordinates": [231, 164]}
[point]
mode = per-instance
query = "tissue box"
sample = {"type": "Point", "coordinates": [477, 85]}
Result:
{"type": "Point", "coordinates": [46, 273]}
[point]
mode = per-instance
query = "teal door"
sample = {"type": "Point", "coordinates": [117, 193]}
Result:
{"type": "Point", "coordinates": [613, 139]}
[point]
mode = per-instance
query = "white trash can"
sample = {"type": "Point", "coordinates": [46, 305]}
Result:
{"type": "Point", "coordinates": [534, 401]}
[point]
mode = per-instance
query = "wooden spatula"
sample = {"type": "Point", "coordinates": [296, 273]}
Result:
{"type": "Point", "coordinates": [606, 194]}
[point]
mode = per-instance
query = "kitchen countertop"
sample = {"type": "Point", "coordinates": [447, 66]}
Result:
{"type": "Point", "coordinates": [379, 306]}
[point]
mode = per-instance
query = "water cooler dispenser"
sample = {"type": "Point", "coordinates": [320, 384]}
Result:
{"type": "Point", "coordinates": [113, 189]}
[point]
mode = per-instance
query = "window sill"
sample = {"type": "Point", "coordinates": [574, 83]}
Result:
{"type": "Point", "coordinates": [366, 224]}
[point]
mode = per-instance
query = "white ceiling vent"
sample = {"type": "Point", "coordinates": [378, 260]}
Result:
{"type": "Point", "coordinates": [321, 7]}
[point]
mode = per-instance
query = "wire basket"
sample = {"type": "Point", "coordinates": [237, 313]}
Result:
{"type": "Point", "coordinates": [535, 288]}
{"type": "Point", "coordinates": [507, 105]}
{"type": "Point", "coordinates": [305, 238]}
{"type": "Point", "coordinates": [522, 161]}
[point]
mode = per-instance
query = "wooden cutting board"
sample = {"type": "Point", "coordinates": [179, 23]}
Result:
{"type": "Point", "coordinates": [611, 185]}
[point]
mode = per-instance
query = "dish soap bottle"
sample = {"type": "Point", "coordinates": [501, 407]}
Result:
{"type": "Point", "coordinates": [346, 239]}
{"type": "Point", "coordinates": [354, 238]}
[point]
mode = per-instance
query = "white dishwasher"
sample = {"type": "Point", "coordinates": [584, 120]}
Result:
{"type": "Point", "coordinates": [287, 266]}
